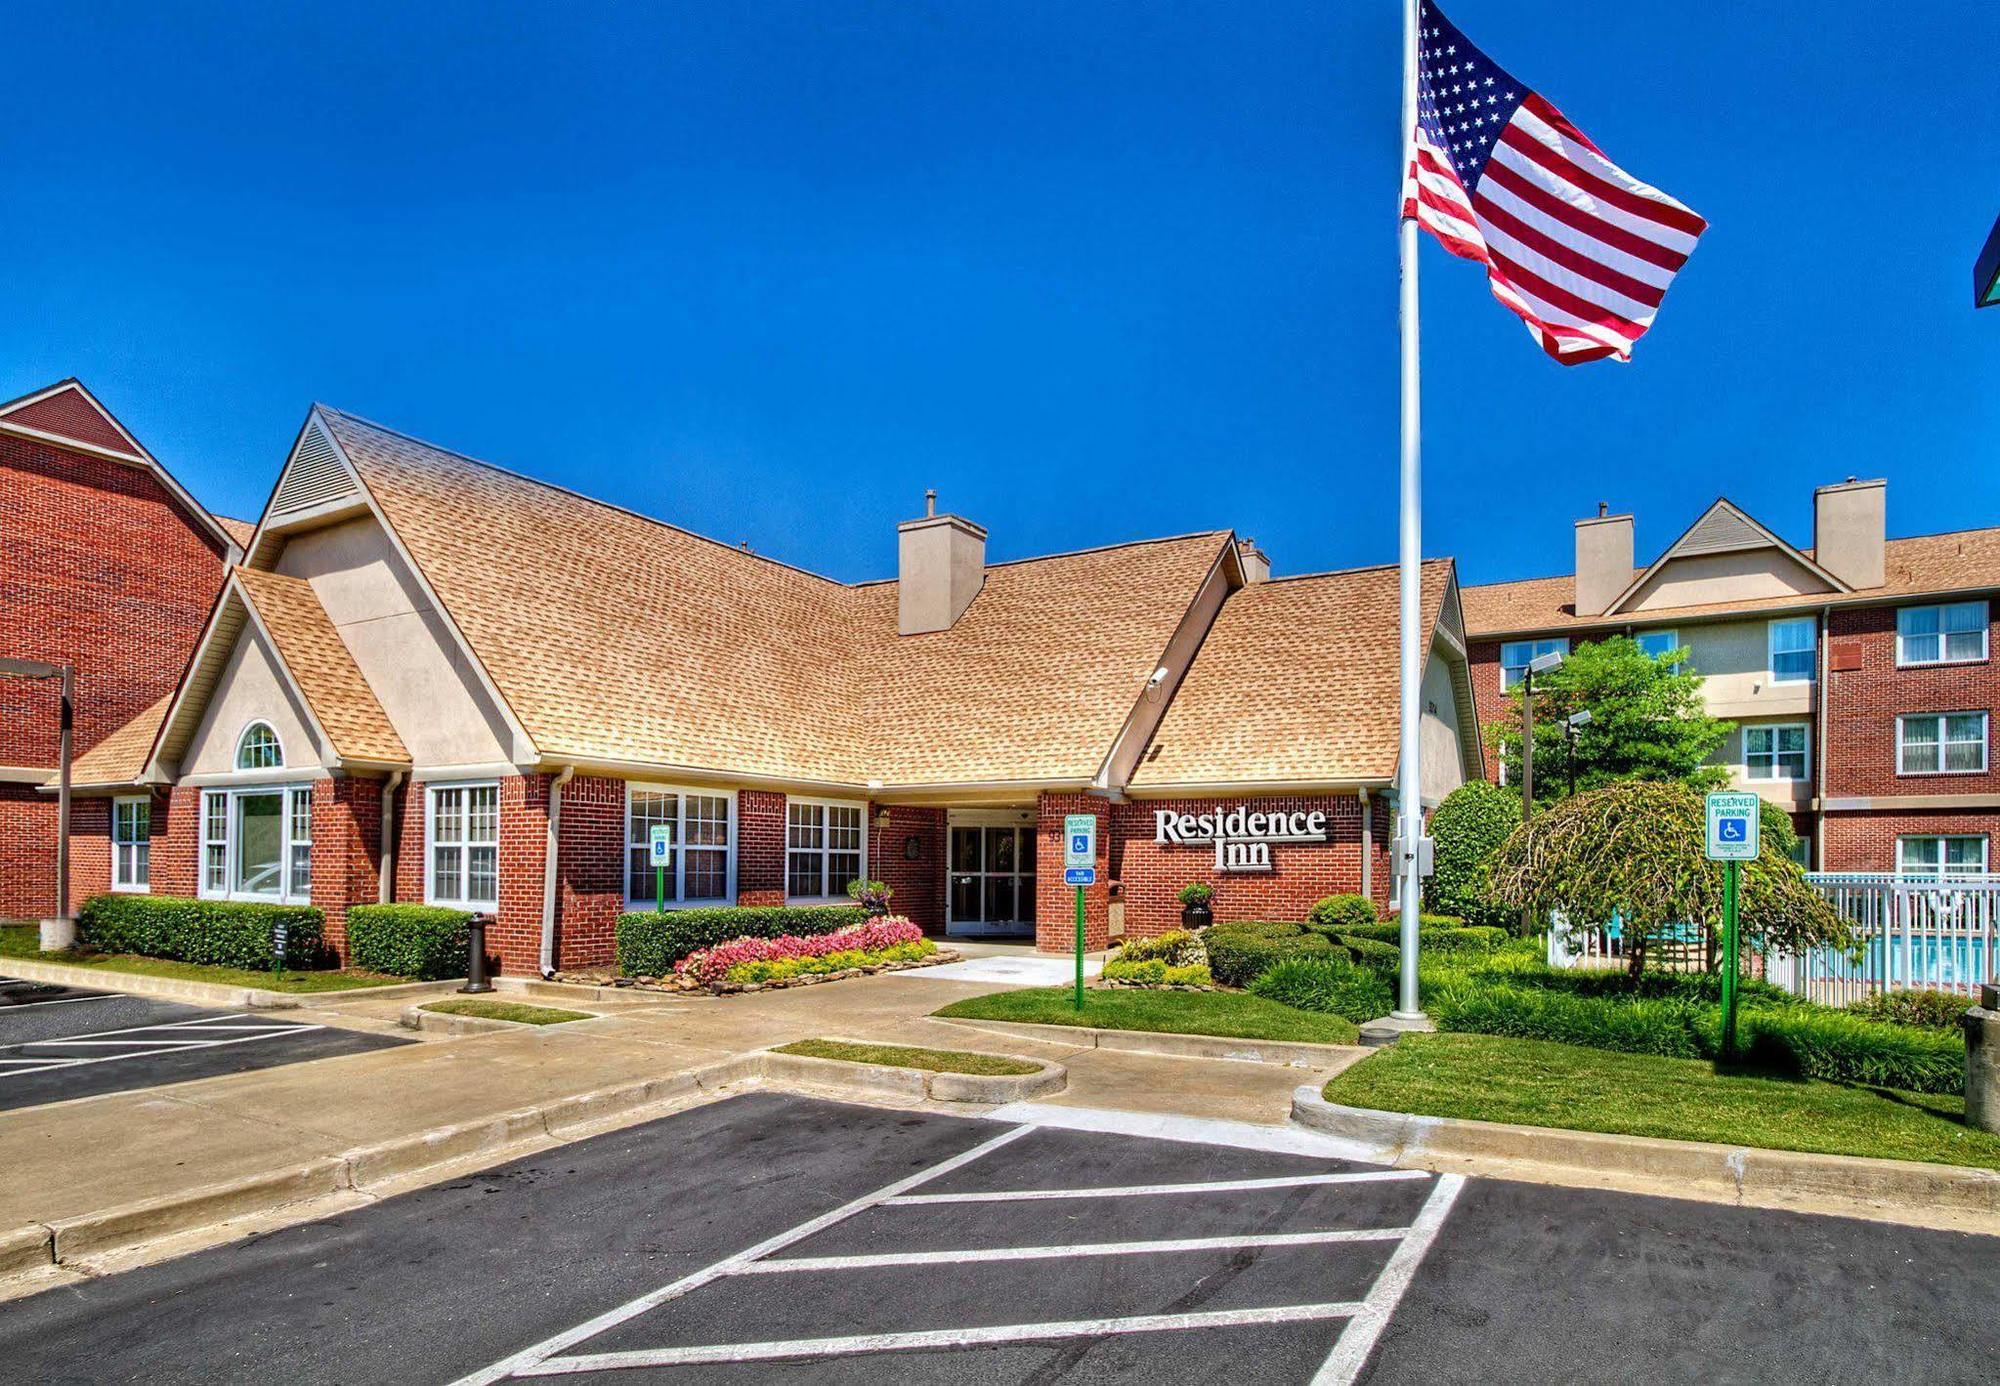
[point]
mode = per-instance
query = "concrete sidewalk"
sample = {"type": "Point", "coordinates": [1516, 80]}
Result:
{"type": "Point", "coordinates": [75, 1158]}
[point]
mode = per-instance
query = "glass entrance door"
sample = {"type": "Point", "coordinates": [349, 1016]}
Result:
{"type": "Point", "coordinates": [992, 885]}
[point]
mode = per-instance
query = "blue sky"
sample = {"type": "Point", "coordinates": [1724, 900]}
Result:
{"type": "Point", "coordinates": [1096, 271]}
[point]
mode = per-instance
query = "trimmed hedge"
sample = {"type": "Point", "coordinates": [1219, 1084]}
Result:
{"type": "Point", "coordinates": [1370, 951]}
{"type": "Point", "coordinates": [1437, 934]}
{"type": "Point", "coordinates": [221, 933]}
{"type": "Point", "coordinates": [1175, 948]}
{"type": "Point", "coordinates": [1467, 826]}
{"type": "Point", "coordinates": [651, 942]}
{"type": "Point", "coordinates": [1817, 1042]}
{"type": "Point", "coordinates": [1240, 953]}
{"type": "Point", "coordinates": [426, 942]}
{"type": "Point", "coordinates": [1934, 1010]}
{"type": "Point", "coordinates": [1157, 972]}
{"type": "Point", "coordinates": [1330, 985]}
{"type": "Point", "coordinates": [1336, 914]}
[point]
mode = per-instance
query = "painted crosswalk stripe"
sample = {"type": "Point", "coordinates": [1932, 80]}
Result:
{"type": "Point", "coordinates": [1170, 1246]}
{"type": "Point", "coordinates": [1295, 1181]}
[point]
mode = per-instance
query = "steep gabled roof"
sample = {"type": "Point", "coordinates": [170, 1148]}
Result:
{"type": "Point", "coordinates": [1722, 528]}
{"type": "Point", "coordinates": [120, 758]}
{"type": "Point", "coordinates": [1297, 682]}
{"type": "Point", "coordinates": [321, 668]}
{"type": "Point", "coordinates": [68, 415]}
{"type": "Point", "coordinates": [617, 639]}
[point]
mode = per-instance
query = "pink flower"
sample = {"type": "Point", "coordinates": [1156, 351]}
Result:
{"type": "Point", "coordinates": [711, 965]}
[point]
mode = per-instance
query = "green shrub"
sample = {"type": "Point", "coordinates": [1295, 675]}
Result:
{"type": "Point", "coordinates": [1669, 1028]}
{"type": "Point", "coordinates": [1239, 953]}
{"type": "Point", "coordinates": [222, 933]}
{"type": "Point", "coordinates": [1157, 972]}
{"type": "Point", "coordinates": [1934, 1010]}
{"type": "Point", "coordinates": [1466, 827]}
{"type": "Point", "coordinates": [1330, 985]}
{"type": "Point", "coordinates": [421, 941]}
{"type": "Point", "coordinates": [1818, 1042]}
{"type": "Point", "coordinates": [1371, 951]}
{"type": "Point", "coordinates": [1176, 948]}
{"type": "Point", "coordinates": [778, 969]}
{"type": "Point", "coordinates": [651, 942]}
{"type": "Point", "coordinates": [1335, 914]}
{"type": "Point", "coordinates": [1437, 934]}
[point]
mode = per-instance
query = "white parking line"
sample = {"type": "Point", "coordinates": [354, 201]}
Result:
{"type": "Point", "coordinates": [1043, 1253]}
{"type": "Point", "coordinates": [938, 1338]}
{"type": "Point", "coordinates": [134, 1029]}
{"type": "Point", "coordinates": [1357, 1340]}
{"type": "Point", "coordinates": [178, 1036]}
{"type": "Point", "coordinates": [1368, 1176]}
{"type": "Point", "coordinates": [58, 1001]}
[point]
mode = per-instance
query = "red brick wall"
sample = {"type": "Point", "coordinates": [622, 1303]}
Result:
{"type": "Point", "coordinates": [1482, 661]}
{"type": "Point", "coordinates": [590, 871]}
{"type": "Point", "coordinates": [1055, 903]}
{"type": "Point", "coordinates": [515, 935]}
{"type": "Point", "coordinates": [89, 849]}
{"type": "Point", "coordinates": [346, 851]}
{"type": "Point", "coordinates": [1867, 841]}
{"type": "Point", "coordinates": [1150, 875]}
{"type": "Point", "coordinates": [409, 865]}
{"type": "Point", "coordinates": [1863, 703]}
{"type": "Point", "coordinates": [760, 848]}
{"type": "Point", "coordinates": [102, 569]}
{"type": "Point", "coordinates": [176, 857]}
{"type": "Point", "coordinates": [918, 883]}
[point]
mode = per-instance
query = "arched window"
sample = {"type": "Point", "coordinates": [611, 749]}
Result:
{"type": "Point", "coordinates": [258, 748]}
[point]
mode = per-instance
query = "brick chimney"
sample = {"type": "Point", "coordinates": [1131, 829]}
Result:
{"type": "Point", "coordinates": [1848, 531]}
{"type": "Point", "coordinates": [940, 567]}
{"type": "Point", "coordinates": [1256, 563]}
{"type": "Point", "coordinates": [1603, 560]}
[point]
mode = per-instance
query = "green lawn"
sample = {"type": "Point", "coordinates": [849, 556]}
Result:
{"type": "Point", "coordinates": [486, 1009]}
{"type": "Point", "coordinates": [24, 941]}
{"type": "Point", "coordinates": [904, 1056]}
{"type": "Point", "coordinates": [1231, 1014]}
{"type": "Point", "coordinates": [1537, 1083]}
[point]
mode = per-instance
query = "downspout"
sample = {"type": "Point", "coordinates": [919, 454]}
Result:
{"type": "Point", "coordinates": [1819, 730]}
{"type": "Point", "coordinates": [385, 885]}
{"type": "Point", "coordinates": [1367, 846]}
{"type": "Point", "coordinates": [549, 871]}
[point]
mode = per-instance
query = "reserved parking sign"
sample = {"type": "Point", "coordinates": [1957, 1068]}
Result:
{"type": "Point", "coordinates": [1080, 849]}
{"type": "Point", "coordinates": [1732, 826]}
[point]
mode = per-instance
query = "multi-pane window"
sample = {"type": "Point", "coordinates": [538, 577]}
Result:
{"type": "Point", "coordinates": [258, 748]}
{"type": "Point", "coordinates": [131, 843]}
{"type": "Point", "coordinates": [1655, 643]}
{"type": "Point", "coordinates": [1954, 633]}
{"type": "Point", "coordinates": [1792, 643]}
{"type": "Point", "coordinates": [256, 843]}
{"type": "Point", "coordinates": [464, 845]}
{"type": "Point", "coordinates": [1941, 856]}
{"type": "Point", "coordinates": [823, 848]}
{"type": "Point", "coordinates": [1775, 753]}
{"type": "Point", "coordinates": [1946, 743]}
{"type": "Point", "coordinates": [698, 865]}
{"type": "Point", "coordinates": [1515, 656]}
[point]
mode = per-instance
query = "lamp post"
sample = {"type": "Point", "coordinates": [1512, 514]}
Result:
{"type": "Point", "coordinates": [1540, 664]}
{"type": "Point", "coordinates": [1579, 718]}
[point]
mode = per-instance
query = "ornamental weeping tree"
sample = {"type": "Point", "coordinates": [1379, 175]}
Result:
{"type": "Point", "coordinates": [1637, 849]}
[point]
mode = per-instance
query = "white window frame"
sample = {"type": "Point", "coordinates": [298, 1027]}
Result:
{"type": "Point", "coordinates": [464, 846]}
{"type": "Point", "coordinates": [236, 758]}
{"type": "Point", "coordinates": [1941, 635]}
{"type": "Point", "coordinates": [1640, 638]}
{"type": "Point", "coordinates": [1941, 870]}
{"type": "Point", "coordinates": [128, 852]}
{"type": "Point", "coordinates": [1811, 651]}
{"type": "Point", "coordinates": [825, 850]}
{"type": "Point", "coordinates": [1535, 649]}
{"type": "Point", "coordinates": [1943, 745]}
{"type": "Point", "coordinates": [639, 893]}
{"type": "Point", "coordinates": [1772, 756]}
{"type": "Point", "coordinates": [231, 796]}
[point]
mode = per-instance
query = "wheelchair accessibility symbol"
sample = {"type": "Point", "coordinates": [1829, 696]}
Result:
{"type": "Point", "coordinates": [1733, 829]}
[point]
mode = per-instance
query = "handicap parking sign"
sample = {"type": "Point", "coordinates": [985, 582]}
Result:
{"type": "Point", "coordinates": [1732, 830]}
{"type": "Point", "coordinates": [1732, 826]}
{"type": "Point", "coordinates": [1080, 849]}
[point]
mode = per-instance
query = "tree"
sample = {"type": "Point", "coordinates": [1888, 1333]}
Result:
{"type": "Point", "coordinates": [1638, 850]}
{"type": "Point", "coordinates": [1467, 826]}
{"type": "Point", "coordinates": [1647, 722]}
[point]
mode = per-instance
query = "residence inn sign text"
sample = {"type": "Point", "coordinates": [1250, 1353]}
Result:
{"type": "Point", "coordinates": [1242, 837]}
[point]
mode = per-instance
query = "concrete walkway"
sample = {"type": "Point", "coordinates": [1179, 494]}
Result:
{"type": "Point", "coordinates": [73, 1158]}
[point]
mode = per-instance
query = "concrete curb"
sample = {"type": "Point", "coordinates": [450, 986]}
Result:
{"type": "Point", "coordinates": [202, 993]}
{"type": "Point", "coordinates": [1285, 1053]}
{"type": "Point", "coordinates": [1742, 1173]}
{"type": "Point", "coordinates": [415, 1017]}
{"type": "Point", "coordinates": [994, 1088]}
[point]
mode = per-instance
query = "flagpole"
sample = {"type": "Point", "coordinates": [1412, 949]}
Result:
{"type": "Point", "coordinates": [1409, 800]}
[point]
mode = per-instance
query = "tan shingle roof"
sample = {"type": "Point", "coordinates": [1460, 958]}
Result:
{"type": "Point", "coordinates": [1296, 682]}
{"type": "Point", "coordinates": [324, 671]}
{"type": "Point", "coordinates": [1966, 560]}
{"type": "Point", "coordinates": [614, 637]}
{"type": "Point", "coordinates": [239, 530]}
{"type": "Point", "coordinates": [120, 758]}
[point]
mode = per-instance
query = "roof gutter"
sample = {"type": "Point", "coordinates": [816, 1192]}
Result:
{"type": "Point", "coordinates": [1238, 788]}
{"type": "Point", "coordinates": [549, 871]}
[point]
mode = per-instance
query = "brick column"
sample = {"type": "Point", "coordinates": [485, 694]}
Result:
{"type": "Point", "coordinates": [590, 871]}
{"type": "Point", "coordinates": [918, 881]}
{"type": "Point", "coordinates": [1055, 903]}
{"type": "Point", "coordinates": [516, 933]}
{"type": "Point", "coordinates": [347, 838]}
{"type": "Point", "coordinates": [760, 847]}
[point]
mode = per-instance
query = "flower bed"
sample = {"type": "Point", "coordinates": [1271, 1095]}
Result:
{"type": "Point", "coordinates": [789, 960]}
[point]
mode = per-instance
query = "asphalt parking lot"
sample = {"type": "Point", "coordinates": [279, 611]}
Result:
{"type": "Point", "coordinates": [776, 1238]}
{"type": "Point", "coordinates": [59, 1043]}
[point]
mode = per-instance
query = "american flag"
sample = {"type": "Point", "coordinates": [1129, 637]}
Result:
{"type": "Point", "coordinates": [1581, 249]}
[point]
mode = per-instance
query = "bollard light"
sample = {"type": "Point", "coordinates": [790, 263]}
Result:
{"type": "Point", "coordinates": [475, 965]}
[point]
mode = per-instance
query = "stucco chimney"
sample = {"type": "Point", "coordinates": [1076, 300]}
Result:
{"type": "Point", "coordinates": [1256, 563]}
{"type": "Point", "coordinates": [1848, 530]}
{"type": "Point", "coordinates": [940, 567]}
{"type": "Point", "coordinates": [1603, 560]}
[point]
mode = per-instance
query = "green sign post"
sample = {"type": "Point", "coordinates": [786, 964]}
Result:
{"type": "Point", "coordinates": [1733, 838]}
{"type": "Point", "coordinates": [1079, 870]}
